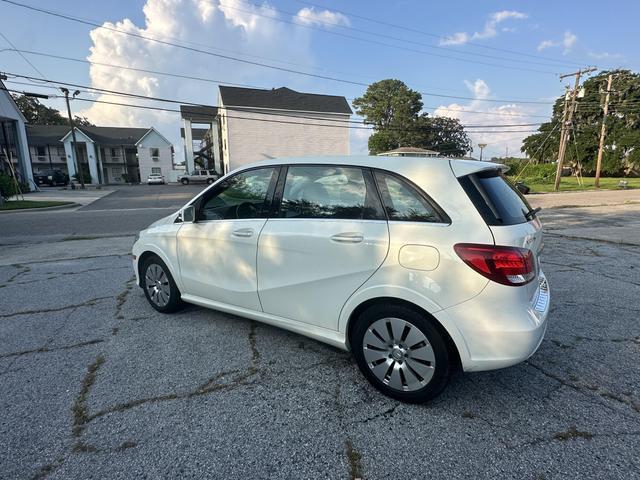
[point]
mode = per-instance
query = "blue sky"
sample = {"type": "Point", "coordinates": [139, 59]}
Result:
{"type": "Point", "coordinates": [549, 38]}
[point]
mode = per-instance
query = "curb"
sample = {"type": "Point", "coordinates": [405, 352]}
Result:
{"type": "Point", "coordinates": [40, 209]}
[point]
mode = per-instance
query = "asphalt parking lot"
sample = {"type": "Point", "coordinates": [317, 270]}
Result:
{"type": "Point", "coordinates": [96, 384]}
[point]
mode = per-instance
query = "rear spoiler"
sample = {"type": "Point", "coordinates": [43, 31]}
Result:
{"type": "Point", "coordinates": [461, 168]}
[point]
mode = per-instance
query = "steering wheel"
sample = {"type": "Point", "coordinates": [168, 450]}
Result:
{"type": "Point", "coordinates": [246, 210]}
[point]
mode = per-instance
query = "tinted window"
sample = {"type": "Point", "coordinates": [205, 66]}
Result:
{"type": "Point", "coordinates": [329, 192]}
{"type": "Point", "coordinates": [245, 195]}
{"type": "Point", "coordinates": [497, 201]}
{"type": "Point", "coordinates": [404, 202]}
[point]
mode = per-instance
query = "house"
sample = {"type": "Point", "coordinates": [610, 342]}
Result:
{"type": "Point", "coordinates": [409, 152]}
{"type": "Point", "coordinates": [14, 150]}
{"type": "Point", "coordinates": [259, 124]}
{"type": "Point", "coordinates": [106, 154]}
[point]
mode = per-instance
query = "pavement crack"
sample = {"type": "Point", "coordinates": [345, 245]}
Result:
{"type": "Point", "coordinates": [122, 297]}
{"type": "Point", "coordinates": [88, 303]}
{"type": "Point", "coordinates": [46, 349]}
{"type": "Point", "coordinates": [80, 410]}
{"type": "Point", "coordinates": [354, 460]}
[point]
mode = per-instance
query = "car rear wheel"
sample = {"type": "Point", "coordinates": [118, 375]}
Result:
{"type": "Point", "coordinates": [401, 353]}
{"type": "Point", "coordinates": [158, 285]}
{"type": "Point", "coordinates": [209, 181]}
{"type": "Point", "coordinates": [185, 181]}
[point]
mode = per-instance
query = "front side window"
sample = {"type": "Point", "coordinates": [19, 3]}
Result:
{"type": "Point", "coordinates": [403, 202]}
{"type": "Point", "coordinates": [245, 195]}
{"type": "Point", "coordinates": [329, 192]}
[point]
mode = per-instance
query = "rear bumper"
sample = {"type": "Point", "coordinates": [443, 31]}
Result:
{"type": "Point", "coordinates": [499, 327]}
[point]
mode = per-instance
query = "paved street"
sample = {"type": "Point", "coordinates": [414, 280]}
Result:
{"type": "Point", "coordinates": [96, 384]}
{"type": "Point", "coordinates": [125, 211]}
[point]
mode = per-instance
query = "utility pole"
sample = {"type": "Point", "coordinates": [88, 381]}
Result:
{"type": "Point", "coordinates": [603, 131]}
{"type": "Point", "coordinates": [567, 118]}
{"type": "Point", "coordinates": [74, 150]}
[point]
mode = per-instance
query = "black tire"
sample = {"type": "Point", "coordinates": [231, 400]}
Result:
{"type": "Point", "coordinates": [440, 372]}
{"type": "Point", "coordinates": [149, 268]}
{"type": "Point", "coordinates": [185, 181]}
{"type": "Point", "coordinates": [210, 181]}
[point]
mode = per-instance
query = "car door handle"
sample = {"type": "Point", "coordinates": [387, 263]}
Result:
{"type": "Point", "coordinates": [243, 232]}
{"type": "Point", "coordinates": [348, 237]}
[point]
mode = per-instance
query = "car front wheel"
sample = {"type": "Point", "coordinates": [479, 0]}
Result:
{"type": "Point", "coordinates": [158, 285]}
{"type": "Point", "coordinates": [401, 353]}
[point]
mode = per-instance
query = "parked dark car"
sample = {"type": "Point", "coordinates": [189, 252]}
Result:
{"type": "Point", "coordinates": [51, 177]}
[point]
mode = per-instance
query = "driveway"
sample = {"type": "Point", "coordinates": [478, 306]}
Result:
{"type": "Point", "coordinates": [96, 384]}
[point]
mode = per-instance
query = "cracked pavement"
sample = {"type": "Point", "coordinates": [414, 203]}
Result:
{"type": "Point", "coordinates": [97, 384]}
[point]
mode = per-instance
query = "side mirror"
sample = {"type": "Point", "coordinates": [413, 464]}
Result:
{"type": "Point", "coordinates": [189, 214]}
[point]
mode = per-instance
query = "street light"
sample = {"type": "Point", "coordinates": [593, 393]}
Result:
{"type": "Point", "coordinates": [481, 145]}
{"type": "Point", "coordinates": [74, 150]}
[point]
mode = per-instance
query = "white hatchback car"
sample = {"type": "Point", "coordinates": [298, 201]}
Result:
{"type": "Point", "coordinates": [418, 266]}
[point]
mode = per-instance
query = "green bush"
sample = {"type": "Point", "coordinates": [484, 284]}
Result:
{"type": "Point", "coordinates": [86, 177]}
{"type": "Point", "coordinates": [7, 186]}
{"type": "Point", "coordinates": [531, 172]}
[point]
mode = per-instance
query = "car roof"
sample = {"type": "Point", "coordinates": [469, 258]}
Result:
{"type": "Point", "coordinates": [406, 164]}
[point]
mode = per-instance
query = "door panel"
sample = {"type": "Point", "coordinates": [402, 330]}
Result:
{"type": "Point", "coordinates": [308, 268]}
{"type": "Point", "coordinates": [217, 253]}
{"type": "Point", "coordinates": [330, 236]}
{"type": "Point", "coordinates": [218, 260]}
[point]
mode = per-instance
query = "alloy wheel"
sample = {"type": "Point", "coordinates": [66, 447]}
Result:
{"type": "Point", "coordinates": [399, 354]}
{"type": "Point", "coordinates": [157, 285]}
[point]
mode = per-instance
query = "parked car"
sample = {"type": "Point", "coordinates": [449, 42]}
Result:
{"type": "Point", "coordinates": [418, 271]}
{"type": "Point", "coordinates": [155, 179]}
{"type": "Point", "coordinates": [51, 177]}
{"type": "Point", "coordinates": [199, 176]}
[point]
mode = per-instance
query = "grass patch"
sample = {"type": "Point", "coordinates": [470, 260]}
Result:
{"type": "Point", "coordinates": [570, 184]}
{"type": "Point", "coordinates": [26, 204]}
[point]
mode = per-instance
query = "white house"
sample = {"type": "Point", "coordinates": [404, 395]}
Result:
{"type": "Point", "coordinates": [258, 124]}
{"type": "Point", "coordinates": [14, 150]}
{"type": "Point", "coordinates": [107, 154]}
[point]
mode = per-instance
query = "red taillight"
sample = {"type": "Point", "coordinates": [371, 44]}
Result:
{"type": "Point", "coordinates": [512, 266]}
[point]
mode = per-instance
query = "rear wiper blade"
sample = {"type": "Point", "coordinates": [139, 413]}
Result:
{"type": "Point", "coordinates": [530, 215]}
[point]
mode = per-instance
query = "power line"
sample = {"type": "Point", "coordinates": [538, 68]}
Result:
{"type": "Point", "coordinates": [371, 128]}
{"type": "Point", "coordinates": [382, 35]}
{"type": "Point", "coordinates": [224, 82]}
{"type": "Point", "coordinates": [434, 35]}
{"type": "Point", "coordinates": [228, 57]}
{"type": "Point", "coordinates": [20, 53]}
{"type": "Point", "coordinates": [234, 108]}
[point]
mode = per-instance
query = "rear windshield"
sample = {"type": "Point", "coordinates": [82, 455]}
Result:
{"type": "Point", "coordinates": [496, 199]}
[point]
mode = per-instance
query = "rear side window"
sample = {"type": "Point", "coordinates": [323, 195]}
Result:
{"type": "Point", "coordinates": [495, 198]}
{"type": "Point", "coordinates": [329, 192]}
{"type": "Point", "coordinates": [404, 202]}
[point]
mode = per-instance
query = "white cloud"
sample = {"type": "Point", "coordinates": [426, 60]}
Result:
{"type": "Point", "coordinates": [327, 18]}
{"type": "Point", "coordinates": [489, 31]}
{"type": "Point", "coordinates": [210, 25]}
{"type": "Point", "coordinates": [568, 41]}
{"type": "Point", "coordinates": [605, 55]}
{"type": "Point", "coordinates": [481, 112]}
{"type": "Point", "coordinates": [546, 44]}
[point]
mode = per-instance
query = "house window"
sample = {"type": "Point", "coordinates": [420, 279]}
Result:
{"type": "Point", "coordinates": [155, 154]}
{"type": "Point", "coordinates": [115, 154]}
{"type": "Point", "coordinates": [61, 152]}
{"type": "Point", "coordinates": [156, 170]}
{"type": "Point", "coordinates": [41, 153]}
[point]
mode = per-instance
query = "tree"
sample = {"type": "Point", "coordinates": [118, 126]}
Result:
{"type": "Point", "coordinates": [39, 114]}
{"type": "Point", "coordinates": [394, 110]}
{"type": "Point", "coordinates": [443, 134]}
{"type": "Point", "coordinates": [622, 142]}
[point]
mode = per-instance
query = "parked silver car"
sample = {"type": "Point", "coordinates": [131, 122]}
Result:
{"type": "Point", "coordinates": [199, 176]}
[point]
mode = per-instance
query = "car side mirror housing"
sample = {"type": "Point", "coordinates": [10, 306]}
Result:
{"type": "Point", "coordinates": [189, 214]}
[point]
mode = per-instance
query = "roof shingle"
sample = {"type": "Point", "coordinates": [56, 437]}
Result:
{"type": "Point", "coordinates": [283, 99]}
